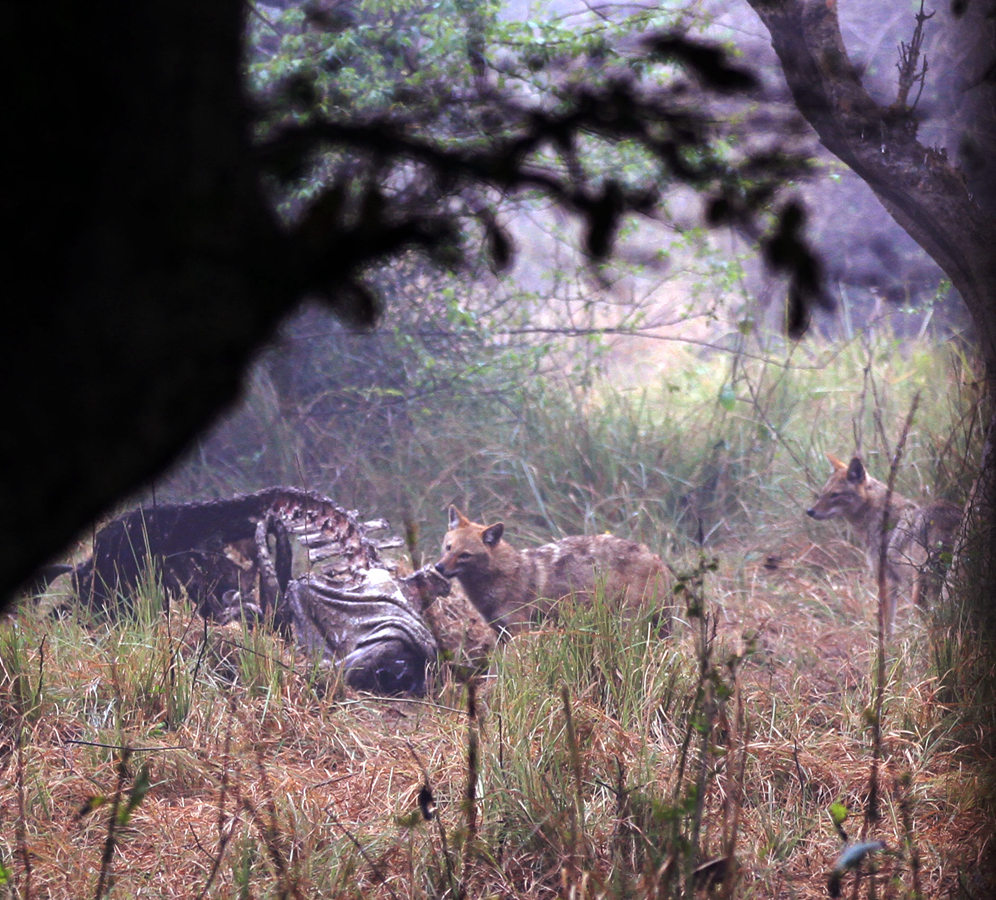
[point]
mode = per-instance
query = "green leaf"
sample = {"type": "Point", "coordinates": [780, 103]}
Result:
{"type": "Point", "coordinates": [838, 813]}
{"type": "Point", "coordinates": [139, 788]}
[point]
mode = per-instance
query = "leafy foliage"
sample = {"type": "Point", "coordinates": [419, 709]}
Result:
{"type": "Point", "coordinates": [411, 124]}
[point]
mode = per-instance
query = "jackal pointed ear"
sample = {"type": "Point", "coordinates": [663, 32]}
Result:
{"type": "Point", "coordinates": [492, 534]}
{"type": "Point", "coordinates": [457, 518]}
{"type": "Point", "coordinates": [856, 471]}
{"type": "Point", "coordinates": [836, 463]}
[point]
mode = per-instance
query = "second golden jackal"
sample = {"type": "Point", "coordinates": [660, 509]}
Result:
{"type": "Point", "coordinates": [918, 538]}
{"type": "Point", "coordinates": [512, 588]}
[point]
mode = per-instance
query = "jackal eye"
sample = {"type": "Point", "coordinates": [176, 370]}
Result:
{"type": "Point", "coordinates": [463, 555]}
{"type": "Point", "coordinates": [448, 547]}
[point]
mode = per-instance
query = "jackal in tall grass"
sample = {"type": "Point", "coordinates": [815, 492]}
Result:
{"type": "Point", "coordinates": [918, 539]}
{"type": "Point", "coordinates": [513, 588]}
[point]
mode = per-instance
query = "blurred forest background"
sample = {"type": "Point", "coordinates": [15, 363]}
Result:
{"type": "Point", "coordinates": [655, 395]}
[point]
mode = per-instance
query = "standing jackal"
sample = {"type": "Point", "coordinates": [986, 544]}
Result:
{"type": "Point", "coordinates": [919, 539]}
{"type": "Point", "coordinates": [511, 588]}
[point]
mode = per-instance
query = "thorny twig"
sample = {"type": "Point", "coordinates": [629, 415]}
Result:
{"type": "Point", "coordinates": [104, 879]}
{"type": "Point", "coordinates": [871, 813]}
{"type": "Point", "coordinates": [224, 835]}
{"type": "Point", "coordinates": [909, 59]}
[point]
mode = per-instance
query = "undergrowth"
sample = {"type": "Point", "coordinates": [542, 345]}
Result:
{"type": "Point", "coordinates": [156, 755]}
{"type": "Point", "coordinates": [596, 759]}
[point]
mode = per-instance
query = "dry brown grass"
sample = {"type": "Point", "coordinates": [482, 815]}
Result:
{"type": "Point", "coordinates": [313, 791]}
{"type": "Point", "coordinates": [816, 631]}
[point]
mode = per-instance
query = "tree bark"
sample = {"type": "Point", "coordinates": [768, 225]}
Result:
{"type": "Point", "coordinates": [919, 186]}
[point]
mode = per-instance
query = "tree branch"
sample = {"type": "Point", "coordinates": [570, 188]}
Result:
{"type": "Point", "coordinates": [917, 185]}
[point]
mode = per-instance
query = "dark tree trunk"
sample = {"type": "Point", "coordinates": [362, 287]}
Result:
{"type": "Point", "coordinates": [131, 188]}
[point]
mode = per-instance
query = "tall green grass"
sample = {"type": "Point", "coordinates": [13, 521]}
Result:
{"type": "Point", "coordinates": [713, 446]}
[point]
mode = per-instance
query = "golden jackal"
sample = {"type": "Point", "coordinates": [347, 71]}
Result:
{"type": "Point", "coordinates": [918, 538]}
{"type": "Point", "coordinates": [512, 588]}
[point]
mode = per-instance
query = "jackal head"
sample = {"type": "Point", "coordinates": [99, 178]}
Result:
{"type": "Point", "coordinates": [845, 490]}
{"type": "Point", "coordinates": [467, 546]}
